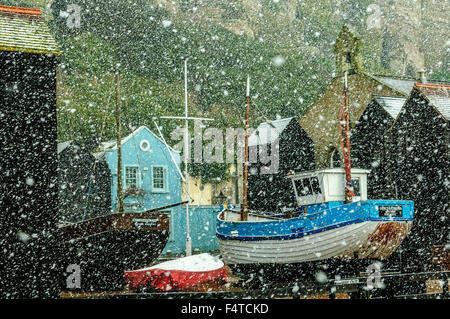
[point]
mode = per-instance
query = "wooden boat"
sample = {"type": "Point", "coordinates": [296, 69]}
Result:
{"type": "Point", "coordinates": [321, 227]}
{"type": "Point", "coordinates": [178, 274]}
{"type": "Point", "coordinates": [103, 247]}
{"type": "Point", "coordinates": [333, 221]}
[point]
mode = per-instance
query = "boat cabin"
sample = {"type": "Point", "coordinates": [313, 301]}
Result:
{"type": "Point", "coordinates": [327, 185]}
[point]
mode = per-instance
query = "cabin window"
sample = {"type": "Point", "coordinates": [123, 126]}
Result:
{"type": "Point", "coordinates": [307, 186]}
{"type": "Point", "coordinates": [335, 159]}
{"type": "Point", "coordinates": [315, 185]}
{"type": "Point", "coordinates": [159, 178]}
{"type": "Point", "coordinates": [131, 176]}
{"type": "Point", "coordinates": [356, 186]}
{"type": "Point", "coordinates": [307, 189]}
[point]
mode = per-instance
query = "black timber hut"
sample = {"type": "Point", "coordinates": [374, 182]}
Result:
{"type": "Point", "coordinates": [84, 188]}
{"type": "Point", "coordinates": [276, 148]}
{"type": "Point", "coordinates": [370, 143]}
{"type": "Point", "coordinates": [420, 165]}
{"type": "Point", "coordinates": [28, 155]}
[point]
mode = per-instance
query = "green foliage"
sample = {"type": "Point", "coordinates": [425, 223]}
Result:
{"type": "Point", "coordinates": [150, 49]}
{"type": "Point", "coordinates": [272, 5]}
{"type": "Point", "coordinates": [288, 62]}
{"type": "Point", "coordinates": [88, 54]}
{"type": "Point", "coordinates": [209, 172]}
{"type": "Point", "coordinates": [443, 73]}
{"type": "Point", "coordinates": [87, 105]}
{"type": "Point", "coordinates": [36, 4]}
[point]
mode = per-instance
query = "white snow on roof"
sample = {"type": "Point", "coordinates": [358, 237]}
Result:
{"type": "Point", "coordinates": [98, 155]}
{"type": "Point", "coordinates": [403, 85]}
{"type": "Point", "coordinates": [442, 104]}
{"type": "Point", "coordinates": [201, 262]}
{"type": "Point", "coordinates": [391, 104]}
{"type": "Point", "coordinates": [62, 146]}
{"type": "Point", "coordinates": [111, 145]}
{"type": "Point", "coordinates": [439, 97]}
{"type": "Point", "coordinates": [268, 132]}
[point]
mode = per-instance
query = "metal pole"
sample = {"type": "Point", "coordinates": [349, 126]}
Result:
{"type": "Point", "coordinates": [186, 118]}
{"type": "Point", "coordinates": [247, 111]}
{"type": "Point", "coordinates": [186, 157]}
{"type": "Point", "coordinates": [344, 127]}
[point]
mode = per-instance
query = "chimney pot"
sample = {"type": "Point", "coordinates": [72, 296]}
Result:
{"type": "Point", "coordinates": [422, 78]}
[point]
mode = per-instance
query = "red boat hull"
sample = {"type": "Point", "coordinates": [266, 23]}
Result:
{"type": "Point", "coordinates": [168, 280]}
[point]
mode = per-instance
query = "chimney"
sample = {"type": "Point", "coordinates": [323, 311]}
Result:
{"type": "Point", "coordinates": [422, 78]}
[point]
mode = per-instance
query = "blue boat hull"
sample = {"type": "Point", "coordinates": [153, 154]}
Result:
{"type": "Point", "coordinates": [369, 229]}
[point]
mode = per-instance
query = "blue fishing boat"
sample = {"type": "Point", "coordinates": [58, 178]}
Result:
{"type": "Point", "coordinates": [322, 226]}
{"type": "Point", "coordinates": [334, 219]}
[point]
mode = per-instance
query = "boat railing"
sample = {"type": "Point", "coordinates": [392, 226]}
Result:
{"type": "Point", "coordinates": [268, 215]}
{"type": "Point", "coordinates": [273, 216]}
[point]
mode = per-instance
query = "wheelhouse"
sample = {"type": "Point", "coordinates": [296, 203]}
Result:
{"type": "Point", "coordinates": [315, 187]}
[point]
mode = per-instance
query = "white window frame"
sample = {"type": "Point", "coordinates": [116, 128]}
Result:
{"type": "Point", "coordinates": [125, 175]}
{"type": "Point", "coordinates": [165, 189]}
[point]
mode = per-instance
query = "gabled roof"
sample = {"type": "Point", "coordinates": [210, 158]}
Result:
{"type": "Point", "coordinates": [112, 145]}
{"type": "Point", "coordinates": [438, 96]}
{"type": "Point", "coordinates": [24, 30]}
{"type": "Point", "coordinates": [268, 132]}
{"type": "Point", "coordinates": [403, 85]}
{"type": "Point", "coordinates": [62, 146]}
{"type": "Point", "coordinates": [399, 84]}
{"type": "Point", "coordinates": [391, 104]}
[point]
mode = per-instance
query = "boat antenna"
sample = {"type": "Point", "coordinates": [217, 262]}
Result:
{"type": "Point", "coordinates": [344, 130]}
{"type": "Point", "coordinates": [244, 211]}
{"type": "Point", "coordinates": [186, 156]}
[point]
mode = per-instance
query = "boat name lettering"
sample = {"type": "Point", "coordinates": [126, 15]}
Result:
{"type": "Point", "coordinates": [346, 281]}
{"type": "Point", "coordinates": [145, 222]}
{"type": "Point", "coordinates": [234, 233]}
{"type": "Point", "coordinates": [390, 211]}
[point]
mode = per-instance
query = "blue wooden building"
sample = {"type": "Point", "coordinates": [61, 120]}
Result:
{"type": "Point", "coordinates": [151, 179]}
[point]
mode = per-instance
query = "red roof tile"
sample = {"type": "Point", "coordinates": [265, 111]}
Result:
{"type": "Point", "coordinates": [432, 86]}
{"type": "Point", "coordinates": [20, 10]}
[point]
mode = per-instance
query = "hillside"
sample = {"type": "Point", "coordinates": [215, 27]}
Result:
{"type": "Point", "coordinates": [284, 45]}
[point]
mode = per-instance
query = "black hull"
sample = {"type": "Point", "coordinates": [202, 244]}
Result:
{"type": "Point", "coordinates": [105, 256]}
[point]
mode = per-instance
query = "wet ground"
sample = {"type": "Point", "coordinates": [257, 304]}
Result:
{"type": "Point", "coordinates": [234, 285]}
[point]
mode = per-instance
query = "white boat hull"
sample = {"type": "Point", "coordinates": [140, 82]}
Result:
{"type": "Point", "coordinates": [369, 239]}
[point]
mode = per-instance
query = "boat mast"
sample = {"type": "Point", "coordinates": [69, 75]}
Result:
{"type": "Point", "coordinates": [120, 207]}
{"type": "Point", "coordinates": [344, 129]}
{"type": "Point", "coordinates": [244, 212]}
{"type": "Point", "coordinates": [186, 157]}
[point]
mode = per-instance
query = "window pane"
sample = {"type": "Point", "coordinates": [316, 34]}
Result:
{"type": "Point", "coordinates": [356, 188]}
{"type": "Point", "coordinates": [298, 186]}
{"type": "Point", "coordinates": [158, 178]}
{"type": "Point", "coordinates": [131, 177]}
{"type": "Point", "coordinates": [315, 185]}
{"type": "Point", "coordinates": [303, 187]}
{"type": "Point", "coordinates": [307, 189]}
